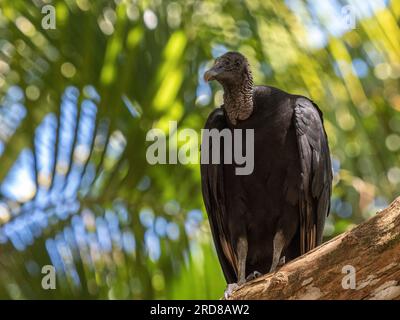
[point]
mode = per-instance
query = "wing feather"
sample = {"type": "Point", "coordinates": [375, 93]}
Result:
{"type": "Point", "coordinates": [212, 181]}
{"type": "Point", "coordinates": [316, 172]}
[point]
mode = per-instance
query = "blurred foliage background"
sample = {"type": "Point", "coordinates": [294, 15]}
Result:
{"type": "Point", "coordinates": [76, 103]}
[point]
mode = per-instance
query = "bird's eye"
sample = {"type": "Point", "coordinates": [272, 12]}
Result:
{"type": "Point", "coordinates": [237, 63]}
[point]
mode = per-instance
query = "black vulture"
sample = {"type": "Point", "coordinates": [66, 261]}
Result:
{"type": "Point", "coordinates": [277, 212]}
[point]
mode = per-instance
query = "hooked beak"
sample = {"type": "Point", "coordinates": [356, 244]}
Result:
{"type": "Point", "coordinates": [212, 73]}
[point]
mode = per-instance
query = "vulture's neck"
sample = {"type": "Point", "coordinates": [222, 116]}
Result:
{"type": "Point", "coordinates": [238, 99]}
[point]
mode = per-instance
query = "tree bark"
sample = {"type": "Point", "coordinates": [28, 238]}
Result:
{"type": "Point", "coordinates": [363, 263]}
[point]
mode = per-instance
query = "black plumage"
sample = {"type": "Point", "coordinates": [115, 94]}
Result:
{"type": "Point", "coordinates": [279, 209]}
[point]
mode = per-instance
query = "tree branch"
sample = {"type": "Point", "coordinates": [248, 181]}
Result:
{"type": "Point", "coordinates": [368, 254]}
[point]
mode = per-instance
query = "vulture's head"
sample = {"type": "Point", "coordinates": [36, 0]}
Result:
{"type": "Point", "coordinates": [231, 68]}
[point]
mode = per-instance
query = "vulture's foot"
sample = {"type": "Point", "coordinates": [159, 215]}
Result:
{"type": "Point", "coordinates": [253, 275]}
{"type": "Point", "coordinates": [230, 289]}
{"type": "Point", "coordinates": [281, 262]}
{"type": "Point", "coordinates": [235, 286]}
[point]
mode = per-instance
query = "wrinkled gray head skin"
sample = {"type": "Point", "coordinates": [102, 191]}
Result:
{"type": "Point", "coordinates": [233, 72]}
{"type": "Point", "coordinates": [229, 69]}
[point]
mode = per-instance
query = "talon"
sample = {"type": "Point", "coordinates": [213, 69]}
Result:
{"type": "Point", "coordinates": [282, 261]}
{"type": "Point", "coordinates": [230, 289]}
{"type": "Point", "coordinates": [253, 275]}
